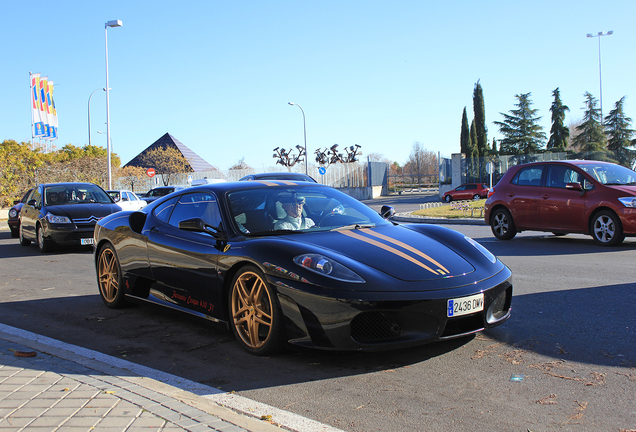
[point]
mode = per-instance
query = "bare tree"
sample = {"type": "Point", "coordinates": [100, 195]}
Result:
{"type": "Point", "coordinates": [167, 162]}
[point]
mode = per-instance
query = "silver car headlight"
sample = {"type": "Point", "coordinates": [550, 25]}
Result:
{"type": "Point", "coordinates": [57, 219]}
{"type": "Point", "coordinates": [13, 213]}
{"type": "Point", "coordinates": [628, 202]}
{"type": "Point", "coordinates": [327, 267]}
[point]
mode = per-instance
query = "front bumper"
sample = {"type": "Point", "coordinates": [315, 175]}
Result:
{"type": "Point", "coordinates": [386, 320]}
{"type": "Point", "coordinates": [68, 234]}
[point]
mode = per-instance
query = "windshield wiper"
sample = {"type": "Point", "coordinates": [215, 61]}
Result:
{"type": "Point", "coordinates": [353, 226]}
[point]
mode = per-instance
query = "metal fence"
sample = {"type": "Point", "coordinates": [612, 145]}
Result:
{"type": "Point", "coordinates": [349, 175]}
{"type": "Point", "coordinates": [479, 170]}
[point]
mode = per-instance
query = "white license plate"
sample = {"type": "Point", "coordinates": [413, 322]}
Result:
{"type": "Point", "coordinates": [465, 305]}
{"type": "Point", "coordinates": [86, 241]}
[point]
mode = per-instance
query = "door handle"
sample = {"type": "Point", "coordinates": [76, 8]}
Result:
{"type": "Point", "coordinates": [511, 194]}
{"type": "Point", "coordinates": [545, 196]}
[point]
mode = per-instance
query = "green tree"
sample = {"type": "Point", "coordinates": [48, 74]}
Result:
{"type": "Point", "coordinates": [590, 136]}
{"type": "Point", "coordinates": [464, 136]}
{"type": "Point", "coordinates": [18, 167]}
{"type": "Point", "coordinates": [617, 128]}
{"type": "Point", "coordinates": [480, 121]}
{"type": "Point", "coordinates": [559, 133]}
{"type": "Point", "coordinates": [523, 134]}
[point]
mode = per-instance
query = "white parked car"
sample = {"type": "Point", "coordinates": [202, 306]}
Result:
{"type": "Point", "coordinates": [127, 200]}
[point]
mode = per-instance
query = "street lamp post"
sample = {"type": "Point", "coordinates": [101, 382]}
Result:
{"type": "Point", "coordinates": [305, 135]}
{"type": "Point", "coordinates": [598, 35]}
{"type": "Point", "coordinates": [89, 115]}
{"type": "Point", "coordinates": [112, 149]}
{"type": "Point", "coordinates": [113, 23]}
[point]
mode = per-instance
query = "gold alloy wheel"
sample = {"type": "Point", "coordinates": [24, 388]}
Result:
{"type": "Point", "coordinates": [108, 275]}
{"type": "Point", "coordinates": [252, 310]}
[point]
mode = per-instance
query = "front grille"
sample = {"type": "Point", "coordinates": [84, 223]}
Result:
{"type": "Point", "coordinates": [369, 327]}
{"type": "Point", "coordinates": [463, 325]}
{"type": "Point", "coordinates": [92, 220]}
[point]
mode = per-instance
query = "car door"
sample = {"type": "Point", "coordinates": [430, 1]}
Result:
{"type": "Point", "coordinates": [562, 209]}
{"type": "Point", "coordinates": [30, 213]}
{"type": "Point", "coordinates": [459, 193]}
{"type": "Point", "coordinates": [522, 196]}
{"type": "Point", "coordinates": [185, 262]}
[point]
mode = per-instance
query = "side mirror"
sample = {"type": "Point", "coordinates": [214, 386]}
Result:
{"type": "Point", "coordinates": [387, 212]}
{"type": "Point", "coordinates": [574, 186]}
{"type": "Point", "coordinates": [16, 202]}
{"type": "Point", "coordinates": [199, 225]}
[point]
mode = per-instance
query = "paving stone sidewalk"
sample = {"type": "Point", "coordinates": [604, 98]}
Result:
{"type": "Point", "coordinates": [40, 392]}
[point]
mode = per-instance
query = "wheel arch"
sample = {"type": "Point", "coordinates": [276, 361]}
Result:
{"type": "Point", "coordinates": [596, 211]}
{"type": "Point", "coordinates": [496, 207]}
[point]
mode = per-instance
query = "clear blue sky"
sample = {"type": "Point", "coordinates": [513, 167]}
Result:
{"type": "Point", "coordinates": [217, 75]}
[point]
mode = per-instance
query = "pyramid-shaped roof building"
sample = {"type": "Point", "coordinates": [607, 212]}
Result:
{"type": "Point", "coordinates": [196, 162]}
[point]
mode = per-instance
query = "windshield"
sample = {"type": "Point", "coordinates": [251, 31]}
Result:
{"type": "Point", "coordinates": [75, 194]}
{"type": "Point", "coordinates": [276, 210]}
{"type": "Point", "coordinates": [610, 174]}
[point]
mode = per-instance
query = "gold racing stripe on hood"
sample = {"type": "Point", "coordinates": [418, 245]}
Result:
{"type": "Point", "coordinates": [393, 251]}
{"type": "Point", "coordinates": [407, 247]}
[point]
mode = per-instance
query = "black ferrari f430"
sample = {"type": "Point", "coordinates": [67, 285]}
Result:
{"type": "Point", "coordinates": [283, 262]}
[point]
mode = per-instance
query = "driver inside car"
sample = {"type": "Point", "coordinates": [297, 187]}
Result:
{"type": "Point", "coordinates": [294, 219]}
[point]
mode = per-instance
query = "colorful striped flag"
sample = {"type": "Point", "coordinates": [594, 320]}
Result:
{"type": "Point", "coordinates": [38, 124]}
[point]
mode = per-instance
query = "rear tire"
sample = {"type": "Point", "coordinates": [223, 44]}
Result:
{"type": "Point", "coordinates": [502, 225]}
{"type": "Point", "coordinates": [476, 197]}
{"type": "Point", "coordinates": [23, 241]}
{"type": "Point", "coordinates": [606, 229]}
{"type": "Point", "coordinates": [15, 232]}
{"type": "Point", "coordinates": [448, 198]}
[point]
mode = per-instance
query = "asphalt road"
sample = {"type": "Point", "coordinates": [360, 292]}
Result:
{"type": "Point", "coordinates": [566, 360]}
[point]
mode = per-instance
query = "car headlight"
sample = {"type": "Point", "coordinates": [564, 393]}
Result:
{"type": "Point", "coordinates": [327, 267]}
{"type": "Point", "coordinates": [483, 250]}
{"type": "Point", "coordinates": [13, 213]}
{"type": "Point", "coordinates": [57, 219]}
{"type": "Point", "coordinates": [628, 202]}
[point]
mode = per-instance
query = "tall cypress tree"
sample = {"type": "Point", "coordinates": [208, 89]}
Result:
{"type": "Point", "coordinates": [559, 133]}
{"type": "Point", "coordinates": [464, 138]}
{"type": "Point", "coordinates": [619, 134]}
{"type": "Point", "coordinates": [523, 134]}
{"type": "Point", "coordinates": [590, 136]}
{"type": "Point", "coordinates": [480, 120]}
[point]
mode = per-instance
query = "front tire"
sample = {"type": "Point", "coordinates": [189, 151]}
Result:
{"type": "Point", "coordinates": [502, 225]}
{"type": "Point", "coordinates": [476, 197]}
{"type": "Point", "coordinates": [109, 278]}
{"type": "Point", "coordinates": [43, 244]}
{"type": "Point", "coordinates": [255, 315]}
{"type": "Point", "coordinates": [607, 229]}
{"type": "Point", "coordinates": [15, 232]}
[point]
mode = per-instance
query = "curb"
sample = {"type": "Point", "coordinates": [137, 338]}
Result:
{"type": "Point", "coordinates": [237, 410]}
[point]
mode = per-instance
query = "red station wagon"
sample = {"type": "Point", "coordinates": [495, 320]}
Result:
{"type": "Point", "coordinates": [587, 197]}
{"type": "Point", "coordinates": [468, 191]}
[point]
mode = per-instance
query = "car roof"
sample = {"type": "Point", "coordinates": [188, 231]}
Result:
{"type": "Point", "coordinates": [255, 184]}
{"type": "Point", "coordinates": [279, 175]}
